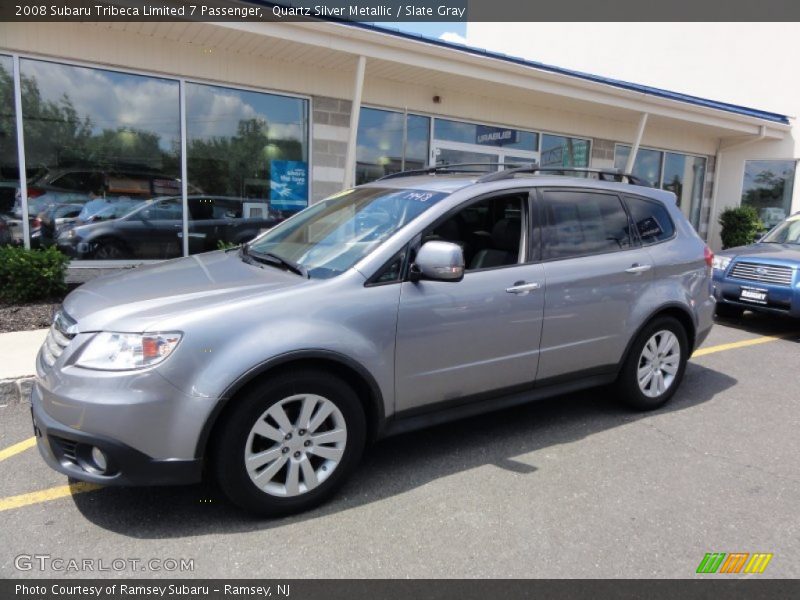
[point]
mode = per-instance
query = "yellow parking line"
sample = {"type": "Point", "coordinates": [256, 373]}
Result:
{"type": "Point", "coordinates": [17, 448]}
{"type": "Point", "coordinates": [742, 344]}
{"type": "Point", "coordinates": [54, 493]}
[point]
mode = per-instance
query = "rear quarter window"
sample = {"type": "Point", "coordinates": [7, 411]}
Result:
{"type": "Point", "coordinates": [651, 220]}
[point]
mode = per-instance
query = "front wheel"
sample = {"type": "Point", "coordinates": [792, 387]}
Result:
{"type": "Point", "coordinates": [289, 443]}
{"type": "Point", "coordinates": [655, 365]}
{"type": "Point", "coordinates": [109, 249]}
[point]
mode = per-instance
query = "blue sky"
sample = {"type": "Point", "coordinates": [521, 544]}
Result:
{"type": "Point", "coordinates": [433, 30]}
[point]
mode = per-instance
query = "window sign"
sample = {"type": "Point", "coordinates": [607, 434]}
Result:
{"type": "Point", "coordinates": [486, 135]}
{"type": "Point", "coordinates": [288, 184]}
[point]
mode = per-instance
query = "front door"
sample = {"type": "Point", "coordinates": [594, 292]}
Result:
{"type": "Point", "coordinates": [450, 153]}
{"type": "Point", "coordinates": [479, 335]}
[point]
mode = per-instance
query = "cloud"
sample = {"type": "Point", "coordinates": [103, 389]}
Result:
{"type": "Point", "coordinates": [453, 37]}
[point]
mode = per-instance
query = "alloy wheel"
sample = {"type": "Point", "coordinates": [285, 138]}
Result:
{"type": "Point", "coordinates": [658, 363]}
{"type": "Point", "coordinates": [295, 445]}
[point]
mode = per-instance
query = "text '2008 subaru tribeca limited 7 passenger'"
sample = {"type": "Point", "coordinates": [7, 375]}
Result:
{"type": "Point", "coordinates": [394, 305]}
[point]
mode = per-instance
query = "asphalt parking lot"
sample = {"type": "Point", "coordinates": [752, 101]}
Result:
{"type": "Point", "coordinates": [574, 486]}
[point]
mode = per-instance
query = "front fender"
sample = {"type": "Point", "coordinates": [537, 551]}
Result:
{"type": "Point", "coordinates": [359, 327]}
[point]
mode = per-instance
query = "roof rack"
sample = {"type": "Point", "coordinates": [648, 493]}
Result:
{"type": "Point", "coordinates": [452, 168]}
{"type": "Point", "coordinates": [602, 174]}
{"type": "Point", "coordinates": [503, 172]}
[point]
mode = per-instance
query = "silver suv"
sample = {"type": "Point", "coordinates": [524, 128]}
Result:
{"type": "Point", "coordinates": [395, 305]}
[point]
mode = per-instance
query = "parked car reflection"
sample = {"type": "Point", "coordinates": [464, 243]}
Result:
{"type": "Point", "coordinates": [154, 229]}
{"type": "Point", "coordinates": [45, 227]}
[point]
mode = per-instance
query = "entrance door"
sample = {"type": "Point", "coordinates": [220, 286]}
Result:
{"type": "Point", "coordinates": [450, 153]}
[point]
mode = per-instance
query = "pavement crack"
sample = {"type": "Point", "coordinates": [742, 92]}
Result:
{"type": "Point", "coordinates": [721, 457]}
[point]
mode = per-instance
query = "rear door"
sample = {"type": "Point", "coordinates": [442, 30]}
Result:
{"type": "Point", "coordinates": [594, 269]}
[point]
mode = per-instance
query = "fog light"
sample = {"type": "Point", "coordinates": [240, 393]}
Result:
{"type": "Point", "coordinates": [99, 459]}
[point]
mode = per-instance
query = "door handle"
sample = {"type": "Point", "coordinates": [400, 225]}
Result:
{"type": "Point", "coordinates": [637, 268]}
{"type": "Point", "coordinates": [523, 288]}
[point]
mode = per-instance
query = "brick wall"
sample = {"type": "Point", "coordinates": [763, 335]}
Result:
{"type": "Point", "coordinates": [329, 133]}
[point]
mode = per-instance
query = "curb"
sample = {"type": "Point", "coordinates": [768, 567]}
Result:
{"type": "Point", "coordinates": [15, 391]}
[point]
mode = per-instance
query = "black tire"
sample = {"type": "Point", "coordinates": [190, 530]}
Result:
{"type": "Point", "coordinates": [110, 249]}
{"type": "Point", "coordinates": [728, 311]}
{"type": "Point", "coordinates": [231, 439]}
{"type": "Point", "coordinates": [627, 385]}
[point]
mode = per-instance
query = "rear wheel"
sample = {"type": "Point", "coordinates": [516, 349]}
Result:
{"type": "Point", "coordinates": [290, 443]}
{"type": "Point", "coordinates": [728, 311]}
{"type": "Point", "coordinates": [655, 365]}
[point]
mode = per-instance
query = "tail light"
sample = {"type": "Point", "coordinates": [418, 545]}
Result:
{"type": "Point", "coordinates": [709, 256]}
{"type": "Point", "coordinates": [34, 192]}
{"type": "Point", "coordinates": [37, 222]}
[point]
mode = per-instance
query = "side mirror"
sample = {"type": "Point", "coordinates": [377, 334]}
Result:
{"type": "Point", "coordinates": [438, 261]}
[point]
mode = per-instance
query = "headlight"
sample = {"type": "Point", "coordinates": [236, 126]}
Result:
{"type": "Point", "coordinates": [721, 262]}
{"type": "Point", "coordinates": [108, 351]}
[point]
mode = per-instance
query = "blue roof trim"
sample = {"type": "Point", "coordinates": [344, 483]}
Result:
{"type": "Point", "coordinates": [634, 87]}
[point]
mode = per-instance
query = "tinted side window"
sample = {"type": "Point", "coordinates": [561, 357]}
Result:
{"type": "Point", "coordinates": [489, 231]}
{"type": "Point", "coordinates": [167, 210]}
{"type": "Point", "coordinates": [651, 219]}
{"type": "Point", "coordinates": [580, 223]}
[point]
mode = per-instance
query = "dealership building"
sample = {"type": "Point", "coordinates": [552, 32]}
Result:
{"type": "Point", "coordinates": [235, 121]}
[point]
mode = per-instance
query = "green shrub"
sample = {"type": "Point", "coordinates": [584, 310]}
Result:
{"type": "Point", "coordinates": [28, 275]}
{"type": "Point", "coordinates": [740, 226]}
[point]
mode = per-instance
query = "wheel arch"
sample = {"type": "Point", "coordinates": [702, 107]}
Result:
{"type": "Point", "coordinates": [112, 237]}
{"type": "Point", "coordinates": [674, 310]}
{"type": "Point", "coordinates": [350, 371]}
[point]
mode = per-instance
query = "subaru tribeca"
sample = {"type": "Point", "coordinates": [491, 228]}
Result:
{"type": "Point", "coordinates": [395, 305]}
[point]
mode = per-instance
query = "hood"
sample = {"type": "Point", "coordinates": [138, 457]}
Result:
{"type": "Point", "coordinates": [780, 252]}
{"type": "Point", "coordinates": [134, 299]}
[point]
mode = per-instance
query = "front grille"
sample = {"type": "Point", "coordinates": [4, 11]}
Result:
{"type": "Point", "coordinates": [58, 338]}
{"type": "Point", "coordinates": [771, 274]}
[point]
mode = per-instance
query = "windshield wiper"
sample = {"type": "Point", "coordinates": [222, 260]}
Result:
{"type": "Point", "coordinates": [268, 258]}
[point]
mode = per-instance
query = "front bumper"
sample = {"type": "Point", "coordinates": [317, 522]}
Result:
{"type": "Point", "coordinates": [69, 451]}
{"type": "Point", "coordinates": [780, 300]}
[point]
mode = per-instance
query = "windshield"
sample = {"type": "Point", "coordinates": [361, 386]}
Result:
{"type": "Point", "coordinates": [787, 232]}
{"type": "Point", "coordinates": [330, 237]}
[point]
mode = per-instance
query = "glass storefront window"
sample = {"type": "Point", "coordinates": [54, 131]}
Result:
{"type": "Point", "coordinates": [485, 135]}
{"type": "Point", "coordinates": [10, 232]}
{"type": "Point", "coordinates": [418, 133]}
{"type": "Point", "coordinates": [647, 165]}
{"type": "Point", "coordinates": [684, 176]}
{"type": "Point", "coordinates": [99, 143]}
{"type": "Point", "coordinates": [383, 147]}
{"type": "Point", "coordinates": [767, 187]}
{"type": "Point", "coordinates": [561, 151]}
{"type": "Point", "coordinates": [247, 162]}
